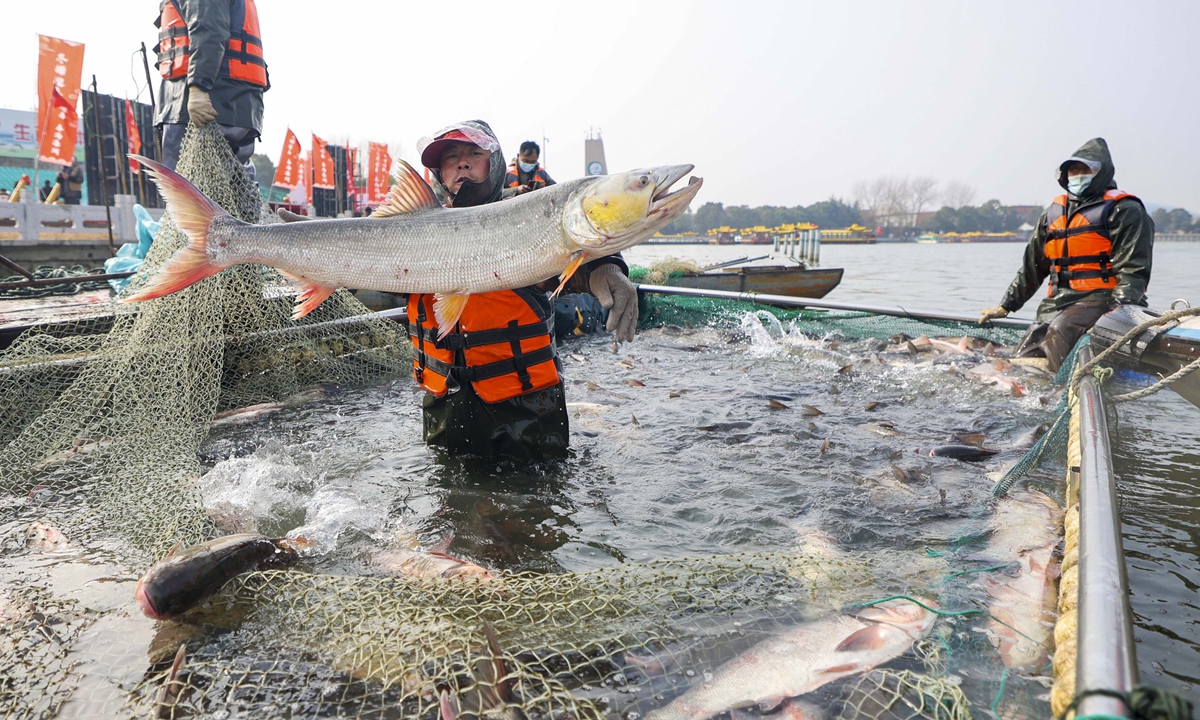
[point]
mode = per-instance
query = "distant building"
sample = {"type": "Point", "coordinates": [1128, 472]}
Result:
{"type": "Point", "coordinates": [18, 148]}
{"type": "Point", "coordinates": [593, 154]}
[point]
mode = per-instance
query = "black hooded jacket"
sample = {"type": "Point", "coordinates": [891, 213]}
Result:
{"type": "Point", "coordinates": [1130, 229]}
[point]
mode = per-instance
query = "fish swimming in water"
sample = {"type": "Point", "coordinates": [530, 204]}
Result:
{"type": "Point", "coordinates": [185, 578]}
{"type": "Point", "coordinates": [1023, 600]}
{"type": "Point", "coordinates": [966, 453]}
{"type": "Point", "coordinates": [410, 560]}
{"type": "Point", "coordinates": [802, 659]}
{"type": "Point", "coordinates": [411, 244]}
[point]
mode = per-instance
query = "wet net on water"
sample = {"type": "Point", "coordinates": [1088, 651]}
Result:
{"type": "Point", "coordinates": [104, 435]}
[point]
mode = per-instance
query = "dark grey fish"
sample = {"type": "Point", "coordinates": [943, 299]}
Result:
{"type": "Point", "coordinates": [965, 453]}
{"type": "Point", "coordinates": [725, 426]}
{"type": "Point", "coordinates": [187, 577]}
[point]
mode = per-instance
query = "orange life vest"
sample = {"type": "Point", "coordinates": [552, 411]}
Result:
{"type": "Point", "coordinates": [503, 345]}
{"type": "Point", "coordinates": [1079, 247]}
{"type": "Point", "coordinates": [243, 58]}
{"type": "Point", "coordinates": [512, 179]}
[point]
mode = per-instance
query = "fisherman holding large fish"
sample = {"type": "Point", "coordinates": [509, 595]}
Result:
{"type": "Point", "coordinates": [482, 332]}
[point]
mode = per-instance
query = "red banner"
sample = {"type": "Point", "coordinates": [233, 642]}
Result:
{"type": "Point", "coordinates": [288, 173]}
{"type": "Point", "coordinates": [351, 168]}
{"type": "Point", "coordinates": [379, 163]}
{"type": "Point", "coordinates": [322, 165]}
{"type": "Point", "coordinates": [133, 136]}
{"type": "Point", "coordinates": [60, 69]}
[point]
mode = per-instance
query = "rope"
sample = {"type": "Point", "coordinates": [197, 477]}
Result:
{"type": "Point", "coordinates": [1167, 317]}
{"type": "Point", "coordinates": [948, 613]}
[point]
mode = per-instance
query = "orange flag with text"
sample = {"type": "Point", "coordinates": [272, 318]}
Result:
{"type": "Point", "coordinates": [287, 174]}
{"type": "Point", "coordinates": [322, 165]}
{"type": "Point", "coordinates": [60, 70]}
{"type": "Point", "coordinates": [379, 163]}
{"type": "Point", "coordinates": [133, 137]}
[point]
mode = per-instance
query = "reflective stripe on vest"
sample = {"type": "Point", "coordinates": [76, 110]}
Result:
{"type": "Point", "coordinates": [504, 345]}
{"type": "Point", "coordinates": [514, 176]}
{"type": "Point", "coordinates": [173, 45]}
{"type": "Point", "coordinates": [1079, 248]}
{"type": "Point", "coordinates": [243, 59]}
{"type": "Point", "coordinates": [243, 53]}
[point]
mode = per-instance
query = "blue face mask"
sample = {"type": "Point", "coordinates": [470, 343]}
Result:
{"type": "Point", "coordinates": [1078, 183]}
{"type": "Point", "coordinates": [527, 167]}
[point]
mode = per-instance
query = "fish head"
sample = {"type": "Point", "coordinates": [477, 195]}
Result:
{"type": "Point", "coordinates": [905, 614]}
{"type": "Point", "coordinates": [617, 212]}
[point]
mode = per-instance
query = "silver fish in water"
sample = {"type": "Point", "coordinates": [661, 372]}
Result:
{"type": "Point", "coordinates": [804, 658]}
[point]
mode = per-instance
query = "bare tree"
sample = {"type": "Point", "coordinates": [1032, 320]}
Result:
{"type": "Point", "coordinates": [872, 196]}
{"type": "Point", "coordinates": [958, 195]}
{"type": "Point", "coordinates": [897, 199]}
{"type": "Point", "coordinates": [922, 191]}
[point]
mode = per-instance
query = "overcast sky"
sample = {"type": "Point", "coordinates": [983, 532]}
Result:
{"type": "Point", "coordinates": [775, 103]}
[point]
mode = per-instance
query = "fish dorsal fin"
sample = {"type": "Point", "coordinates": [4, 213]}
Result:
{"type": "Point", "coordinates": [410, 193]}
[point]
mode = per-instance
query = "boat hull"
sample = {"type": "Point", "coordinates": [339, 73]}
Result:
{"type": "Point", "coordinates": [797, 282]}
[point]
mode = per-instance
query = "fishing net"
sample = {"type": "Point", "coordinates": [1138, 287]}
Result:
{"type": "Point", "coordinates": [102, 421]}
{"type": "Point", "coordinates": [659, 273]}
{"type": "Point", "coordinates": [665, 310]}
{"type": "Point", "coordinates": [101, 418]}
{"type": "Point", "coordinates": [74, 280]}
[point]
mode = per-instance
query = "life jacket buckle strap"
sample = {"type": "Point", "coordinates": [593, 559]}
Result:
{"type": "Point", "coordinates": [514, 342]}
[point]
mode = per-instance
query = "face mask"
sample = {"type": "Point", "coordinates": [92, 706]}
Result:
{"type": "Point", "coordinates": [527, 167]}
{"type": "Point", "coordinates": [1078, 183]}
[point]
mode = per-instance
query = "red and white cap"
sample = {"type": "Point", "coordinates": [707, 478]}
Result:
{"type": "Point", "coordinates": [431, 147]}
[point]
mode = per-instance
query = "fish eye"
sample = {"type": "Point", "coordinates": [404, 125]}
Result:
{"type": "Point", "coordinates": [643, 181]}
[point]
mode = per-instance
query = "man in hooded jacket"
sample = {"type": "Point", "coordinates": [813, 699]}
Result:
{"type": "Point", "coordinates": [531, 425]}
{"type": "Point", "coordinates": [1095, 244]}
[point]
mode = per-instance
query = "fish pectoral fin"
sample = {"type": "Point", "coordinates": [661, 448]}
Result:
{"type": "Point", "coordinates": [309, 292]}
{"type": "Point", "coordinates": [444, 544]}
{"type": "Point", "coordinates": [447, 309]}
{"type": "Point", "coordinates": [769, 703]}
{"type": "Point", "coordinates": [576, 262]}
{"type": "Point", "coordinates": [410, 193]}
{"type": "Point", "coordinates": [839, 669]}
{"type": "Point", "coordinates": [869, 638]}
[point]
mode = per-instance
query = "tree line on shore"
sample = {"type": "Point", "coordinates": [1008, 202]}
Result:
{"type": "Point", "coordinates": [900, 206]}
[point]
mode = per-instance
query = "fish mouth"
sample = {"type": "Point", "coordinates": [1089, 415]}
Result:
{"type": "Point", "coordinates": [664, 201]}
{"type": "Point", "coordinates": [146, 602]}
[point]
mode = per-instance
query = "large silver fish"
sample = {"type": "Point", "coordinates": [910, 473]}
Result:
{"type": "Point", "coordinates": [411, 244]}
{"type": "Point", "coordinates": [800, 660]}
{"type": "Point", "coordinates": [1025, 531]}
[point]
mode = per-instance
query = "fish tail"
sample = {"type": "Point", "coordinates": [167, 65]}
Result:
{"type": "Point", "coordinates": [193, 212]}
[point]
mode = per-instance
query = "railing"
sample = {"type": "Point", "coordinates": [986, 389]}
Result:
{"type": "Point", "coordinates": [1105, 658]}
{"type": "Point", "coordinates": [32, 223]}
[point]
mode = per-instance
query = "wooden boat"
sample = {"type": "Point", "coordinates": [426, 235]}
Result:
{"type": "Point", "coordinates": [772, 279]}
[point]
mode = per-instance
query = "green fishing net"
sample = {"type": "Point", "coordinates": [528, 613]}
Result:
{"type": "Point", "coordinates": [101, 421]}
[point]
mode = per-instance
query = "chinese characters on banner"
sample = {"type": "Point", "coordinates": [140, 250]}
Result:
{"type": "Point", "coordinates": [60, 69]}
{"type": "Point", "coordinates": [379, 162]}
{"type": "Point", "coordinates": [288, 173]}
{"type": "Point", "coordinates": [322, 165]}
{"type": "Point", "coordinates": [134, 137]}
{"type": "Point", "coordinates": [351, 167]}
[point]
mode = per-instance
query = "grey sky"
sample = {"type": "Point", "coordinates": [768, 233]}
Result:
{"type": "Point", "coordinates": [775, 103]}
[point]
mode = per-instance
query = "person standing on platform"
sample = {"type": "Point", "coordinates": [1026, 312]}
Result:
{"type": "Point", "coordinates": [1095, 243]}
{"type": "Point", "coordinates": [210, 56]}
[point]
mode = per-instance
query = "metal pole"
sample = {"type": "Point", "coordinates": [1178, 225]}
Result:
{"type": "Point", "coordinates": [792, 301]}
{"type": "Point", "coordinates": [1105, 655]}
{"type": "Point", "coordinates": [150, 87]}
{"type": "Point", "coordinates": [103, 182]}
{"type": "Point", "coordinates": [15, 267]}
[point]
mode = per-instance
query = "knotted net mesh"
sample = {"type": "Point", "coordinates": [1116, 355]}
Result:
{"type": "Point", "coordinates": [102, 421]}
